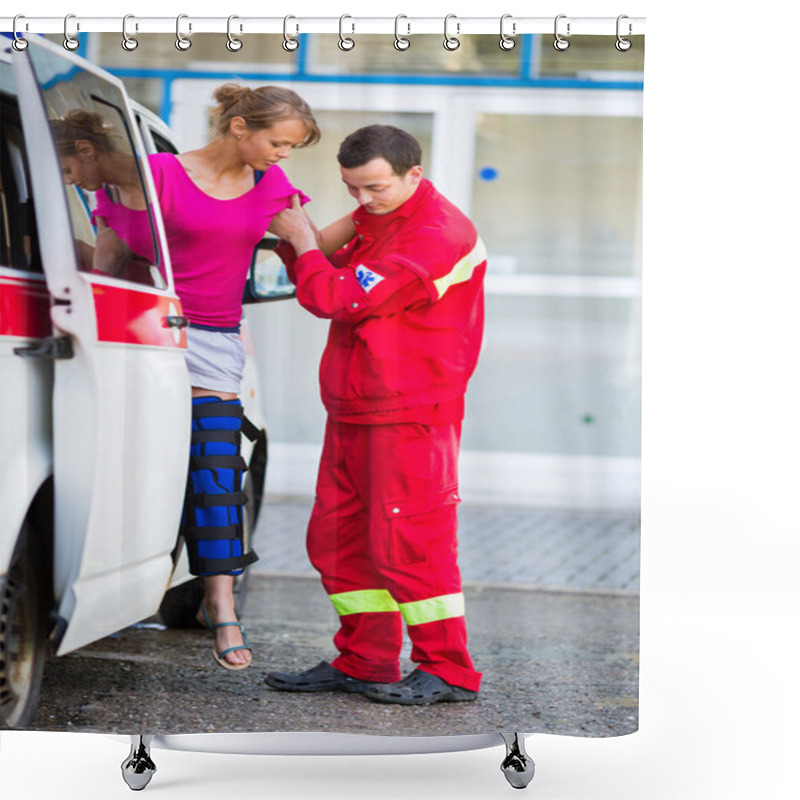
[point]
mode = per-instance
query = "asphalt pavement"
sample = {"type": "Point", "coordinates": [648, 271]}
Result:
{"type": "Point", "coordinates": [552, 614]}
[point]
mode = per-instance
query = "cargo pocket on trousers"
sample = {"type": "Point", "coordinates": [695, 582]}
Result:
{"type": "Point", "coordinates": [422, 529]}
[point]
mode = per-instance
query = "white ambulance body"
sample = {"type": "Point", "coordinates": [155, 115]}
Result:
{"type": "Point", "coordinates": [94, 398]}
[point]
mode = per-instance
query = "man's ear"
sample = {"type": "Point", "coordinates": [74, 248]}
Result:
{"type": "Point", "coordinates": [416, 174]}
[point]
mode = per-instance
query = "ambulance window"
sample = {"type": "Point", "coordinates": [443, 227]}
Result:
{"type": "Point", "coordinates": [101, 172]}
{"type": "Point", "coordinates": [18, 242]}
{"type": "Point", "coordinates": [162, 145]}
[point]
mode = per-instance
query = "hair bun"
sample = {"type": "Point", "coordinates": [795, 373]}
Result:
{"type": "Point", "coordinates": [261, 108]}
{"type": "Point", "coordinates": [89, 121]}
{"type": "Point", "coordinates": [229, 94]}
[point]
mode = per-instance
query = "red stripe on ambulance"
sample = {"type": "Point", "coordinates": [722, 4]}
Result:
{"type": "Point", "coordinates": [24, 308]}
{"type": "Point", "coordinates": [126, 316]}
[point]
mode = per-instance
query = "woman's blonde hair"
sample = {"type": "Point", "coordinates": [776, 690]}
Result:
{"type": "Point", "coordinates": [80, 124]}
{"type": "Point", "coordinates": [262, 108]}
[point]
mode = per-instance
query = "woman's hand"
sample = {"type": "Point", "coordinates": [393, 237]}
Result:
{"type": "Point", "coordinates": [110, 252]}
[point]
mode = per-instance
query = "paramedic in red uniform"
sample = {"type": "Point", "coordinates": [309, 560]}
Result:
{"type": "Point", "coordinates": [405, 300]}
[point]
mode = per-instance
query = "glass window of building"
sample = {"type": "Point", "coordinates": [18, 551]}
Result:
{"type": "Point", "coordinates": [589, 56]}
{"type": "Point", "coordinates": [580, 191]}
{"type": "Point", "coordinates": [566, 373]}
{"type": "Point", "coordinates": [157, 51]}
{"type": "Point", "coordinates": [376, 54]}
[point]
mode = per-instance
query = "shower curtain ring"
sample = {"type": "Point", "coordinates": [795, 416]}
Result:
{"type": "Point", "coordinates": [233, 44]}
{"type": "Point", "coordinates": [70, 42]}
{"type": "Point", "coordinates": [129, 42]}
{"type": "Point", "coordinates": [451, 42]}
{"type": "Point", "coordinates": [181, 42]}
{"type": "Point", "coordinates": [506, 42]}
{"type": "Point", "coordinates": [290, 44]}
{"type": "Point", "coordinates": [623, 45]}
{"type": "Point", "coordinates": [345, 42]}
{"type": "Point", "coordinates": [20, 42]}
{"type": "Point", "coordinates": [400, 42]}
{"type": "Point", "coordinates": [560, 42]}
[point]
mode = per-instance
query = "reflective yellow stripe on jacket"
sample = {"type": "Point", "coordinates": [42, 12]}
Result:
{"type": "Point", "coordinates": [462, 269]}
{"type": "Point", "coordinates": [418, 612]}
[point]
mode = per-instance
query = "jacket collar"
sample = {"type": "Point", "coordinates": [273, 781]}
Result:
{"type": "Point", "coordinates": [376, 223]}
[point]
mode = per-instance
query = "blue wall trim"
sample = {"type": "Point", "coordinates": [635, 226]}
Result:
{"type": "Point", "coordinates": [418, 80]}
{"type": "Point", "coordinates": [529, 59]}
{"type": "Point", "coordinates": [301, 55]}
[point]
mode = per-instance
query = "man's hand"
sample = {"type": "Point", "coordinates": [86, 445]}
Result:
{"type": "Point", "coordinates": [292, 225]}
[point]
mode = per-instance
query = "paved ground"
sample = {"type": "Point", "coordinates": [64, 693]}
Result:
{"type": "Point", "coordinates": [552, 610]}
{"type": "Point", "coordinates": [553, 662]}
{"type": "Point", "coordinates": [573, 550]}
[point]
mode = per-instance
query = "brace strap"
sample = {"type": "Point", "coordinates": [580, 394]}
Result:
{"type": "Point", "coordinates": [205, 500]}
{"type": "Point", "coordinates": [249, 429]}
{"type": "Point", "coordinates": [221, 565]}
{"type": "Point", "coordinates": [219, 409]}
{"type": "Point", "coordinates": [211, 532]}
{"type": "Point", "coordinates": [217, 462]}
{"type": "Point", "coordinates": [223, 436]}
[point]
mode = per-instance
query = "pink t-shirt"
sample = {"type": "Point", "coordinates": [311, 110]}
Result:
{"type": "Point", "coordinates": [131, 225]}
{"type": "Point", "coordinates": [211, 241]}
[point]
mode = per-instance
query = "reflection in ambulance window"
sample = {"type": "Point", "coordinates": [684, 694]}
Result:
{"type": "Point", "coordinates": [95, 159]}
{"type": "Point", "coordinates": [17, 221]}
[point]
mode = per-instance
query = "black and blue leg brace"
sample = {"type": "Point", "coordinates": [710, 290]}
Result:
{"type": "Point", "coordinates": [213, 518]}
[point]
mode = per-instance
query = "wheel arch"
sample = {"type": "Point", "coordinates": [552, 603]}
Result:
{"type": "Point", "coordinates": [26, 606]}
{"type": "Point", "coordinates": [37, 526]}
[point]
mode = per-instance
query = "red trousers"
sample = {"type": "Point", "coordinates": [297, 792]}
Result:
{"type": "Point", "coordinates": [383, 537]}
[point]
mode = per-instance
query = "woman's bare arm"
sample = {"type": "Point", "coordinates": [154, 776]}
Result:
{"type": "Point", "coordinates": [337, 234]}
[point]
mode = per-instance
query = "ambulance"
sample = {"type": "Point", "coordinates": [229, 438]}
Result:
{"type": "Point", "coordinates": [95, 403]}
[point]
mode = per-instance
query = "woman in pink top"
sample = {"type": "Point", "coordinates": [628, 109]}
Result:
{"type": "Point", "coordinates": [217, 203]}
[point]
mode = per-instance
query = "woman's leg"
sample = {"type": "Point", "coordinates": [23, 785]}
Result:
{"type": "Point", "coordinates": [219, 605]}
{"type": "Point", "coordinates": [218, 599]}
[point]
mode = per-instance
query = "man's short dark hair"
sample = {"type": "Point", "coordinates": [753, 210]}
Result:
{"type": "Point", "coordinates": [397, 146]}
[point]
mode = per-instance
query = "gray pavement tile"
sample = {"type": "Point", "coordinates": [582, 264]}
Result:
{"type": "Point", "coordinates": [544, 548]}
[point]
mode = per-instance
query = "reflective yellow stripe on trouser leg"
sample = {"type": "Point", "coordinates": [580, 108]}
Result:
{"type": "Point", "coordinates": [363, 601]}
{"type": "Point", "coordinates": [434, 609]}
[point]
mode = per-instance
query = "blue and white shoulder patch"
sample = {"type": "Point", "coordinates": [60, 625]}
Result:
{"type": "Point", "coordinates": [367, 278]}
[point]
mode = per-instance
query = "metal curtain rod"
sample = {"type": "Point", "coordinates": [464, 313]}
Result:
{"type": "Point", "coordinates": [570, 26]}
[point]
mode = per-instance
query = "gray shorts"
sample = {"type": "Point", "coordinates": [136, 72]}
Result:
{"type": "Point", "coordinates": [215, 360]}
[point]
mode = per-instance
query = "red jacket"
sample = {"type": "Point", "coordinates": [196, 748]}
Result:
{"type": "Point", "coordinates": [405, 300]}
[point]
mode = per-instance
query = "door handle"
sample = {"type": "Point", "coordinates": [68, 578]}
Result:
{"type": "Point", "coordinates": [52, 347]}
{"type": "Point", "coordinates": [174, 321]}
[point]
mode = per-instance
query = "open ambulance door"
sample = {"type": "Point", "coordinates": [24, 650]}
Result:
{"type": "Point", "coordinates": [121, 402]}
